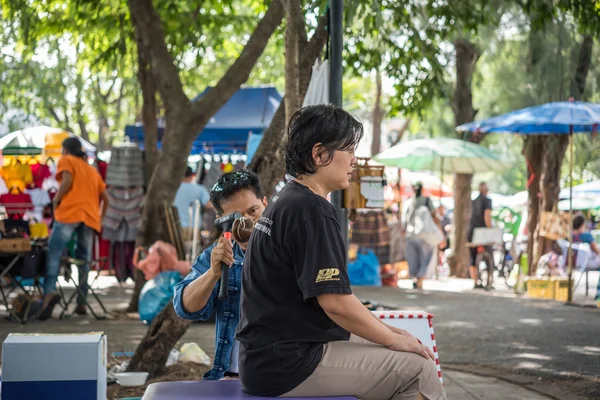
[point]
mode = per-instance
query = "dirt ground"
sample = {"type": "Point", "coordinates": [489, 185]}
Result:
{"type": "Point", "coordinates": [123, 333]}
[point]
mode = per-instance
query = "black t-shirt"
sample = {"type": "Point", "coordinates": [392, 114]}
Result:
{"type": "Point", "coordinates": [296, 253]}
{"type": "Point", "coordinates": [480, 204]}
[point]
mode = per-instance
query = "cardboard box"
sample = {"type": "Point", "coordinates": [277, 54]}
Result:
{"type": "Point", "coordinates": [54, 367]}
{"type": "Point", "coordinates": [540, 288]}
{"type": "Point", "coordinates": [15, 245]}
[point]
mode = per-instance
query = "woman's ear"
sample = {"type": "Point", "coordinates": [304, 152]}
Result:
{"type": "Point", "coordinates": [317, 154]}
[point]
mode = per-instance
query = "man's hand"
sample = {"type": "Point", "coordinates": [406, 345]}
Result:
{"type": "Point", "coordinates": [221, 253]}
{"type": "Point", "coordinates": [411, 345]}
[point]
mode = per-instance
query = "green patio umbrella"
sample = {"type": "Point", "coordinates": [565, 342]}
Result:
{"type": "Point", "coordinates": [441, 154]}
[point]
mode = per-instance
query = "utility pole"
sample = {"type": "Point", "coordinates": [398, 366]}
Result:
{"type": "Point", "coordinates": [336, 26]}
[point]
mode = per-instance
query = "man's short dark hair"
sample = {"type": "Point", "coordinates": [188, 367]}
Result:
{"type": "Point", "coordinates": [332, 127]}
{"type": "Point", "coordinates": [578, 221]}
{"type": "Point", "coordinates": [231, 183]}
{"type": "Point", "coordinates": [188, 171]}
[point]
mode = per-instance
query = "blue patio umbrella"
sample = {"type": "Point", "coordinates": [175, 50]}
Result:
{"type": "Point", "coordinates": [560, 118]}
{"type": "Point", "coordinates": [563, 117]}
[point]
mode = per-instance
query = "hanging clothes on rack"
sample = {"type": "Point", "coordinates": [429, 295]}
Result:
{"type": "Point", "coordinates": [123, 215]}
{"type": "Point", "coordinates": [125, 180]}
{"type": "Point", "coordinates": [126, 166]}
{"type": "Point", "coordinates": [3, 187]}
{"type": "Point", "coordinates": [40, 172]}
{"type": "Point", "coordinates": [17, 175]}
{"type": "Point", "coordinates": [39, 199]}
{"type": "Point", "coordinates": [16, 203]}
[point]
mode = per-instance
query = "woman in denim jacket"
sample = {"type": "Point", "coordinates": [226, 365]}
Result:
{"type": "Point", "coordinates": [196, 296]}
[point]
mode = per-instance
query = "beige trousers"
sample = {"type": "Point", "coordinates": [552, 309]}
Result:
{"type": "Point", "coordinates": [371, 372]}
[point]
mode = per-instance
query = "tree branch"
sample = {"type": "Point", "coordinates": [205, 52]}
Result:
{"type": "Point", "coordinates": [240, 70]}
{"type": "Point", "coordinates": [149, 27]}
{"type": "Point", "coordinates": [268, 161]}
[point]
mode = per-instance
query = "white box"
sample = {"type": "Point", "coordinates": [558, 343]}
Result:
{"type": "Point", "coordinates": [417, 323]}
{"type": "Point", "coordinates": [54, 367]}
{"type": "Point", "coordinates": [487, 236]}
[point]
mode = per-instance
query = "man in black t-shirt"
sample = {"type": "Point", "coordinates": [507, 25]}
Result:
{"type": "Point", "coordinates": [481, 217]}
{"type": "Point", "coordinates": [302, 332]}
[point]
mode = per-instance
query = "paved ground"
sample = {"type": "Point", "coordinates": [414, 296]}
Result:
{"type": "Point", "coordinates": [544, 339]}
{"type": "Point", "coordinates": [537, 344]}
{"type": "Point", "coordinates": [464, 386]}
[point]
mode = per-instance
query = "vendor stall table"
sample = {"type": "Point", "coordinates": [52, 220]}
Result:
{"type": "Point", "coordinates": [14, 269]}
{"type": "Point", "coordinates": [94, 265]}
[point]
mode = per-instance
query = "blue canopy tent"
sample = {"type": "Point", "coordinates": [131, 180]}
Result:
{"type": "Point", "coordinates": [248, 111]}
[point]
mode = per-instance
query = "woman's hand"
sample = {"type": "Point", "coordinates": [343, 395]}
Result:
{"type": "Point", "coordinates": [409, 344]}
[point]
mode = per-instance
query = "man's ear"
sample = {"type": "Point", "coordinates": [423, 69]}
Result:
{"type": "Point", "coordinates": [265, 201]}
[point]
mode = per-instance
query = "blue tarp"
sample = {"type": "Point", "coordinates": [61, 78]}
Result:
{"type": "Point", "coordinates": [253, 142]}
{"type": "Point", "coordinates": [248, 111]}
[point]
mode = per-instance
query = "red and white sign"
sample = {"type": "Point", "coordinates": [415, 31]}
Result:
{"type": "Point", "coordinates": [417, 323]}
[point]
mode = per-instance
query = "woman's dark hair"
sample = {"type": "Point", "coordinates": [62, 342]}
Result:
{"type": "Point", "coordinates": [73, 147]}
{"type": "Point", "coordinates": [231, 183]}
{"type": "Point", "coordinates": [332, 127]}
{"type": "Point", "coordinates": [578, 221]}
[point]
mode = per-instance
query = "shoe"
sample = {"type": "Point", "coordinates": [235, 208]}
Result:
{"type": "Point", "coordinates": [80, 310]}
{"type": "Point", "coordinates": [50, 302]}
{"type": "Point", "coordinates": [478, 286]}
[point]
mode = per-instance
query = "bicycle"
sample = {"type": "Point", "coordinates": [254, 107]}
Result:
{"type": "Point", "coordinates": [484, 261]}
{"type": "Point", "coordinates": [507, 268]}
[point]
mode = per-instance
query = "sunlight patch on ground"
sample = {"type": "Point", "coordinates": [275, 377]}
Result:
{"type": "Point", "coordinates": [587, 350]}
{"type": "Point", "coordinates": [530, 321]}
{"type": "Point", "coordinates": [529, 365]}
{"type": "Point", "coordinates": [533, 356]}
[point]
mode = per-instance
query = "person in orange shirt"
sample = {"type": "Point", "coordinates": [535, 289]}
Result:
{"type": "Point", "coordinates": [76, 210]}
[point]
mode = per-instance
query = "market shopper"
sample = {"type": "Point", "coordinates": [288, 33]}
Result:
{"type": "Point", "coordinates": [481, 217]}
{"type": "Point", "coordinates": [76, 211]}
{"type": "Point", "coordinates": [187, 194]}
{"type": "Point", "coordinates": [302, 332]}
{"type": "Point", "coordinates": [418, 251]}
{"type": "Point", "coordinates": [196, 297]}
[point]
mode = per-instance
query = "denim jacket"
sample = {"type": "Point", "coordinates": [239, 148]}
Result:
{"type": "Point", "coordinates": [227, 311]}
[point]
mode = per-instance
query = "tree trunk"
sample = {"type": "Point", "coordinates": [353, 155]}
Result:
{"type": "Point", "coordinates": [149, 121]}
{"type": "Point", "coordinates": [556, 145]}
{"type": "Point", "coordinates": [149, 113]}
{"type": "Point", "coordinates": [102, 130]}
{"type": "Point", "coordinates": [292, 89]}
{"type": "Point", "coordinates": [377, 116]}
{"type": "Point", "coordinates": [533, 150]}
{"type": "Point", "coordinates": [554, 153]}
{"type": "Point", "coordinates": [184, 120]}
{"type": "Point", "coordinates": [268, 160]}
{"type": "Point", "coordinates": [153, 351]}
{"type": "Point", "coordinates": [582, 68]}
{"type": "Point", "coordinates": [466, 58]}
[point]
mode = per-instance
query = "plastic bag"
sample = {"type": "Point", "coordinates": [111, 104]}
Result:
{"type": "Point", "coordinates": [191, 352]}
{"type": "Point", "coordinates": [156, 294]}
{"type": "Point", "coordinates": [365, 270]}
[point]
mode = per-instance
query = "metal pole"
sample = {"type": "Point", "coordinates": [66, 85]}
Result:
{"type": "Point", "coordinates": [336, 23]}
{"type": "Point", "coordinates": [570, 253]}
